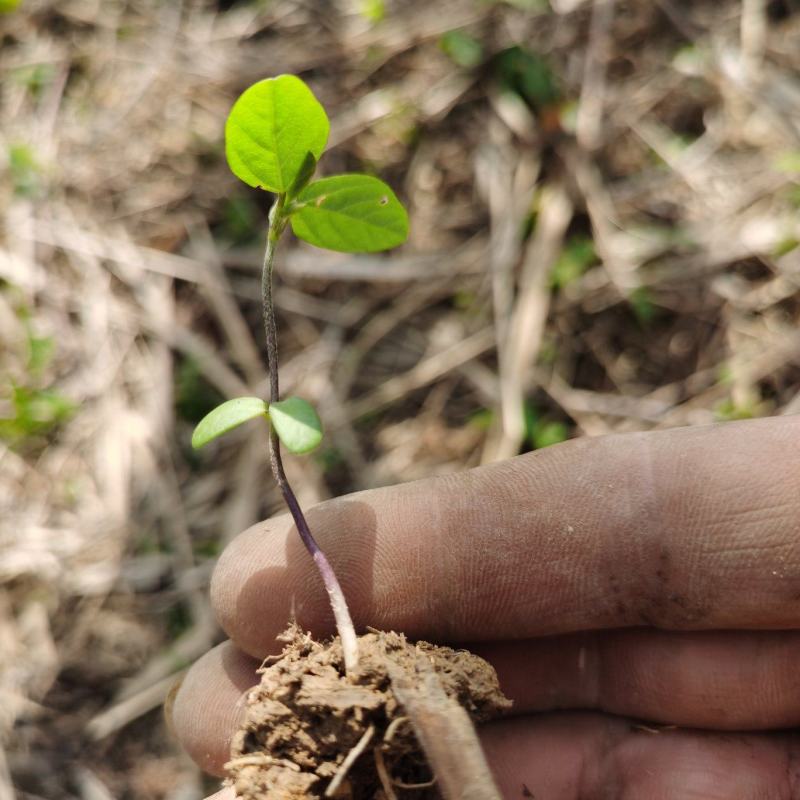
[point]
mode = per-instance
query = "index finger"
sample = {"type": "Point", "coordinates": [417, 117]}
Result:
{"type": "Point", "coordinates": [692, 528]}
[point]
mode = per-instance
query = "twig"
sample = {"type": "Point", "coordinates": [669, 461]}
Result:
{"type": "Point", "coordinates": [89, 785]}
{"type": "Point", "coordinates": [526, 328]}
{"type": "Point", "coordinates": [6, 787]}
{"type": "Point", "coordinates": [445, 732]}
{"type": "Point", "coordinates": [590, 108]}
{"type": "Point", "coordinates": [121, 714]}
{"type": "Point", "coordinates": [217, 293]}
{"type": "Point", "coordinates": [425, 372]}
{"type": "Point", "coordinates": [753, 33]}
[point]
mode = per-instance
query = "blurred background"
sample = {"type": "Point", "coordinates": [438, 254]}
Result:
{"type": "Point", "coordinates": [605, 217]}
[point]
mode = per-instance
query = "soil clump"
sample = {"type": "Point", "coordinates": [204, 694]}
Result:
{"type": "Point", "coordinates": [311, 732]}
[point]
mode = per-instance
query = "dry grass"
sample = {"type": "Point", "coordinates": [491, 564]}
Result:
{"type": "Point", "coordinates": [610, 247]}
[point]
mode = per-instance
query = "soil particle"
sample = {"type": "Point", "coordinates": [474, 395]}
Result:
{"type": "Point", "coordinates": [305, 718]}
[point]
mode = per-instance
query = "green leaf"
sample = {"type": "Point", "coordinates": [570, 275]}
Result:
{"type": "Point", "coordinates": [307, 169]}
{"type": "Point", "coordinates": [549, 433]}
{"type": "Point", "coordinates": [351, 214]}
{"type": "Point", "coordinates": [529, 75]}
{"type": "Point", "coordinates": [296, 423]}
{"type": "Point", "coordinates": [24, 169]}
{"type": "Point", "coordinates": [641, 301]}
{"type": "Point", "coordinates": [227, 416]}
{"type": "Point", "coordinates": [788, 162]}
{"type": "Point", "coordinates": [461, 48]}
{"type": "Point", "coordinates": [40, 352]}
{"type": "Point", "coordinates": [35, 412]}
{"type": "Point", "coordinates": [577, 255]}
{"type": "Point", "coordinates": [271, 129]}
{"type": "Point", "coordinates": [373, 10]}
{"type": "Point", "coordinates": [542, 432]}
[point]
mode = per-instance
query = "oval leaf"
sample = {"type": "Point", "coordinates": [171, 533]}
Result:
{"type": "Point", "coordinates": [296, 423]}
{"type": "Point", "coordinates": [227, 416]}
{"type": "Point", "coordinates": [270, 131]}
{"type": "Point", "coordinates": [350, 213]}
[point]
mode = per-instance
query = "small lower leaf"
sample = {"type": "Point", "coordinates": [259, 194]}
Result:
{"type": "Point", "coordinates": [297, 424]}
{"type": "Point", "coordinates": [227, 416]}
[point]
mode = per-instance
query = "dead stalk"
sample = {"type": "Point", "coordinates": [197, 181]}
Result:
{"type": "Point", "coordinates": [445, 732]}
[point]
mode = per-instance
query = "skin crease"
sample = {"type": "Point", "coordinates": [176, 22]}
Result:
{"type": "Point", "coordinates": [650, 576]}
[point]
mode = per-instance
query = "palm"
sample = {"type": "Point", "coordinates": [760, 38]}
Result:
{"type": "Point", "coordinates": [638, 596]}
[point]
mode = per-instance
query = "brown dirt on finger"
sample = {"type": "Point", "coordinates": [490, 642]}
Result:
{"type": "Point", "coordinates": [306, 716]}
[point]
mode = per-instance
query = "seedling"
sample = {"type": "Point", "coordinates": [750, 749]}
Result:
{"type": "Point", "coordinates": [274, 136]}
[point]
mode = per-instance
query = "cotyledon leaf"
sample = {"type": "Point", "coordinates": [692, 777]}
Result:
{"type": "Point", "coordinates": [296, 423]}
{"type": "Point", "coordinates": [227, 416]}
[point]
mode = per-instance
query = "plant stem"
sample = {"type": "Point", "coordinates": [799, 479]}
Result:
{"type": "Point", "coordinates": [341, 613]}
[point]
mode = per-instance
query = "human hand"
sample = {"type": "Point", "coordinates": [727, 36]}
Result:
{"type": "Point", "coordinates": [652, 577]}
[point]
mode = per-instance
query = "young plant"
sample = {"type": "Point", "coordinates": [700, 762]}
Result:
{"type": "Point", "coordinates": [274, 136]}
